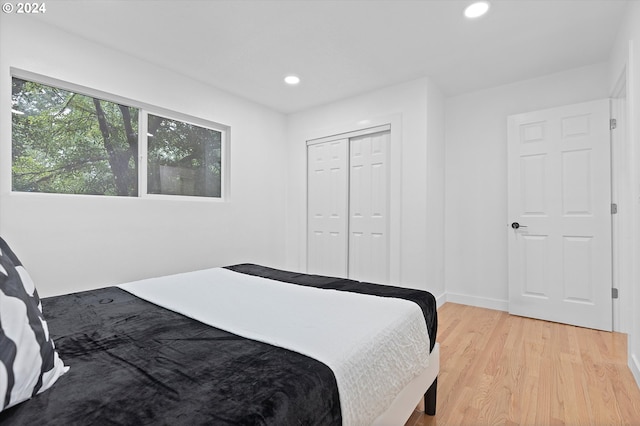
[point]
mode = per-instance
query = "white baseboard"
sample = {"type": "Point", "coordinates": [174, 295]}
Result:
{"type": "Point", "coordinates": [481, 302]}
{"type": "Point", "coordinates": [634, 365]}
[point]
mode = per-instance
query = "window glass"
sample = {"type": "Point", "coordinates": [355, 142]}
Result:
{"type": "Point", "coordinates": [183, 159]}
{"type": "Point", "coordinates": [66, 142]}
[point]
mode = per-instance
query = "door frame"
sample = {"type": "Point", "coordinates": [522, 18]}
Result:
{"type": "Point", "coordinates": [622, 195]}
{"type": "Point", "coordinates": [363, 127]}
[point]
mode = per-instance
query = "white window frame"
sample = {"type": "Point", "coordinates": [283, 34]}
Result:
{"type": "Point", "coordinates": [143, 112]}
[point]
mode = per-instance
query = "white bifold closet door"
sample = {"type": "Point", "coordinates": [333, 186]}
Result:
{"type": "Point", "coordinates": [348, 205]}
{"type": "Point", "coordinates": [327, 208]}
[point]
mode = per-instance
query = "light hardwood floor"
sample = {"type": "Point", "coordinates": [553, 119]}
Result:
{"type": "Point", "coordinates": [499, 369]}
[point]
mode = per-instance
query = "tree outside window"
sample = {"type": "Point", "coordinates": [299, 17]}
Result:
{"type": "Point", "coordinates": [68, 143]}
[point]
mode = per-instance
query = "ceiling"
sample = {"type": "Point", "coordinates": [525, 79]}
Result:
{"type": "Point", "coordinates": [341, 48]}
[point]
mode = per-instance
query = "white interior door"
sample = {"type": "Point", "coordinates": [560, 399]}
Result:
{"type": "Point", "coordinates": [559, 188]}
{"type": "Point", "coordinates": [327, 210]}
{"type": "Point", "coordinates": [368, 208]}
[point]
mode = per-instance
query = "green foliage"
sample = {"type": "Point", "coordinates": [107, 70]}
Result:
{"type": "Point", "coordinates": [184, 159]}
{"type": "Point", "coordinates": [59, 145]}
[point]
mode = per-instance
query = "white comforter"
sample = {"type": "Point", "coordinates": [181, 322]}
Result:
{"type": "Point", "coordinates": [374, 345]}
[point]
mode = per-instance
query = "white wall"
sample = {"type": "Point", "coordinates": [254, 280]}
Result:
{"type": "Point", "coordinates": [435, 186]}
{"type": "Point", "coordinates": [72, 243]}
{"type": "Point", "coordinates": [625, 59]}
{"type": "Point", "coordinates": [476, 222]}
{"type": "Point", "coordinates": [419, 107]}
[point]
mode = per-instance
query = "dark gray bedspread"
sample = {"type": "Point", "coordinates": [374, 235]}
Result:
{"type": "Point", "coordinates": [135, 363]}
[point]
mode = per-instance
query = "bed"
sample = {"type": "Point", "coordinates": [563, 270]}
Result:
{"type": "Point", "coordinates": [158, 351]}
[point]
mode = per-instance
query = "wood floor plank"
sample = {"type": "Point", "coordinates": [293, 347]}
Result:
{"type": "Point", "coordinates": [499, 369]}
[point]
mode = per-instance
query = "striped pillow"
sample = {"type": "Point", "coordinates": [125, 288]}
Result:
{"type": "Point", "coordinates": [27, 282]}
{"type": "Point", "coordinates": [29, 363]}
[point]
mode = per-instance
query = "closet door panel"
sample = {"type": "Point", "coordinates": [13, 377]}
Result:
{"type": "Point", "coordinates": [327, 208]}
{"type": "Point", "coordinates": [368, 208]}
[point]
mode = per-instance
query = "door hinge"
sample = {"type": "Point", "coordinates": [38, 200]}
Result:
{"type": "Point", "coordinates": [613, 123]}
{"type": "Point", "coordinates": [614, 208]}
{"type": "Point", "coordinates": [614, 293]}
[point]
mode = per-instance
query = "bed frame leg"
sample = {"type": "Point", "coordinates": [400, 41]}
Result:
{"type": "Point", "coordinates": [430, 399]}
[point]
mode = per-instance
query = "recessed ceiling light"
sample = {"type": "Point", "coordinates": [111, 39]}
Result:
{"type": "Point", "coordinates": [476, 10]}
{"type": "Point", "coordinates": [292, 80]}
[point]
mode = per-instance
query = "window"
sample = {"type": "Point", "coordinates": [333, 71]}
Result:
{"type": "Point", "coordinates": [184, 159]}
{"type": "Point", "coordinates": [71, 143]}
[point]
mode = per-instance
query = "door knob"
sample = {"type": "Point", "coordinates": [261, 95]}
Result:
{"type": "Point", "coordinates": [516, 225]}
